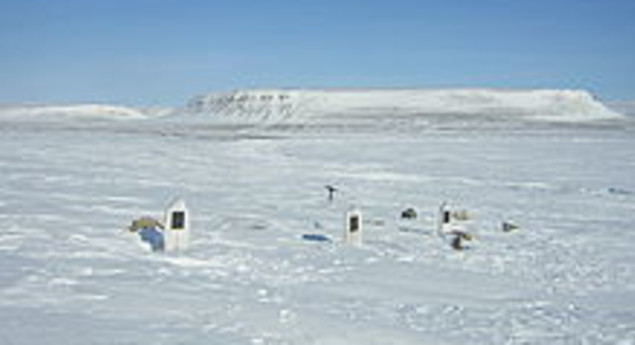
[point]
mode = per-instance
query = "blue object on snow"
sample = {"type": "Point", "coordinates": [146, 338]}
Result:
{"type": "Point", "coordinates": [154, 237]}
{"type": "Point", "coordinates": [316, 238]}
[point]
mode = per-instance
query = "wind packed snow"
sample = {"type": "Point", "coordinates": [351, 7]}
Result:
{"type": "Point", "coordinates": [71, 273]}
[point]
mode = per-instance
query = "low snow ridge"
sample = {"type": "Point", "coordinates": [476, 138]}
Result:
{"type": "Point", "coordinates": [333, 106]}
{"type": "Point", "coordinates": [623, 107]}
{"type": "Point", "coordinates": [80, 111]}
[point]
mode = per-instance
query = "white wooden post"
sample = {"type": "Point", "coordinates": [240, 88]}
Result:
{"type": "Point", "coordinates": [177, 226]}
{"type": "Point", "coordinates": [353, 227]}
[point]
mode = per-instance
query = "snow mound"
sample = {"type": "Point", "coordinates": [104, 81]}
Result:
{"type": "Point", "coordinates": [340, 106]}
{"type": "Point", "coordinates": [79, 111]}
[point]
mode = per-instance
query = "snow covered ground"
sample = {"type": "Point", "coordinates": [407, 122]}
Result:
{"type": "Point", "coordinates": [71, 274]}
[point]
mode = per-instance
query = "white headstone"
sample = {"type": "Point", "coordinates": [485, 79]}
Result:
{"type": "Point", "coordinates": [177, 226]}
{"type": "Point", "coordinates": [353, 227]}
{"type": "Point", "coordinates": [444, 219]}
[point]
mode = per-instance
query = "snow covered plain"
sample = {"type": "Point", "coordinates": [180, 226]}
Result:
{"type": "Point", "coordinates": [71, 274]}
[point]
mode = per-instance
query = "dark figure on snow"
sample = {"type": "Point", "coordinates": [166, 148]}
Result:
{"type": "Point", "coordinates": [331, 191]}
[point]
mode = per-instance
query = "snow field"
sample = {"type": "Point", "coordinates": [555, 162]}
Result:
{"type": "Point", "coordinates": [71, 274]}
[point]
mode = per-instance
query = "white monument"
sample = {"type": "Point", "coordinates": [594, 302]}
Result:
{"type": "Point", "coordinates": [353, 227]}
{"type": "Point", "coordinates": [177, 226]}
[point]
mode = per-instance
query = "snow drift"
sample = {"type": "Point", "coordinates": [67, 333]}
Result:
{"type": "Point", "coordinates": [370, 106]}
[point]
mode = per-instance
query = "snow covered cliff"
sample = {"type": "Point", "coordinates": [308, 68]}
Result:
{"type": "Point", "coordinates": [354, 106]}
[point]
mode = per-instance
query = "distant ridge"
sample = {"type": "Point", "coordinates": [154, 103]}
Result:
{"type": "Point", "coordinates": [76, 111]}
{"type": "Point", "coordinates": [380, 108]}
{"type": "Point", "coordinates": [328, 106]}
{"type": "Point", "coordinates": [623, 107]}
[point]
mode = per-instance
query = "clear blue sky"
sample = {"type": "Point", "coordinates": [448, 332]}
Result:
{"type": "Point", "coordinates": [146, 52]}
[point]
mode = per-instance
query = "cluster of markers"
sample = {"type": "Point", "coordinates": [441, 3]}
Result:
{"type": "Point", "coordinates": [173, 232]}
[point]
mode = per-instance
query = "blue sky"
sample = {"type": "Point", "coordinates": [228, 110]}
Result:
{"type": "Point", "coordinates": [161, 52]}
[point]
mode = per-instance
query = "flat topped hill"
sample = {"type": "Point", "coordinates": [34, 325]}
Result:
{"type": "Point", "coordinates": [335, 106]}
{"type": "Point", "coordinates": [342, 108]}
